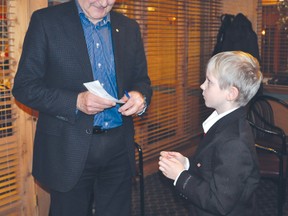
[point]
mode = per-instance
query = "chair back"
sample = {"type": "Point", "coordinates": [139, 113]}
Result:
{"type": "Point", "coordinates": [261, 114]}
{"type": "Point", "coordinates": [270, 140]}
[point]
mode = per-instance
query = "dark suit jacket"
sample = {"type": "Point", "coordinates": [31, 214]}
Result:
{"type": "Point", "coordinates": [223, 173]}
{"type": "Point", "coordinates": [52, 69]}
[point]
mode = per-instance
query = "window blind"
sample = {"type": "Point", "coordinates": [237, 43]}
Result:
{"type": "Point", "coordinates": [274, 38]}
{"type": "Point", "coordinates": [179, 37]}
{"type": "Point", "coordinates": [9, 151]}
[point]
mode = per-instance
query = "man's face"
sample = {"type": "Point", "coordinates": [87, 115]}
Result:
{"type": "Point", "coordinates": [95, 10]}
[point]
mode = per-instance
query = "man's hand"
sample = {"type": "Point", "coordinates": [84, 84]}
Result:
{"type": "Point", "coordinates": [133, 105]}
{"type": "Point", "coordinates": [92, 104]}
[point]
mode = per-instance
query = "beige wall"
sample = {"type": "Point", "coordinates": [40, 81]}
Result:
{"type": "Point", "coordinates": [247, 7]}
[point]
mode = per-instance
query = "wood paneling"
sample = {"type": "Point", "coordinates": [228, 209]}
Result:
{"type": "Point", "coordinates": [26, 122]}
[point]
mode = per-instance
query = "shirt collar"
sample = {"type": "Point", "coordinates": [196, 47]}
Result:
{"type": "Point", "coordinates": [213, 118]}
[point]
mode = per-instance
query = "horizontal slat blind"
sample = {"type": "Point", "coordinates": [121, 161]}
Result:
{"type": "Point", "coordinates": [179, 36]}
{"type": "Point", "coordinates": [274, 41]}
{"type": "Point", "coordinates": [9, 151]}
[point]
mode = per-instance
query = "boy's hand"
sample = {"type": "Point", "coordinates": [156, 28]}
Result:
{"type": "Point", "coordinates": [172, 154]}
{"type": "Point", "coordinates": [171, 164]}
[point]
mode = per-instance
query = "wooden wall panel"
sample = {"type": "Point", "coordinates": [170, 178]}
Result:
{"type": "Point", "coordinates": [26, 122]}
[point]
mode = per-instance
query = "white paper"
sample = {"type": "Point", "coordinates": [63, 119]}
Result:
{"type": "Point", "coordinates": [96, 88]}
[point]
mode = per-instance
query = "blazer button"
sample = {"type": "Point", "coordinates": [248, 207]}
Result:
{"type": "Point", "coordinates": [88, 131]}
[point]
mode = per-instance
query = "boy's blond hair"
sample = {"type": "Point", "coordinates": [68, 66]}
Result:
{"type": "Point", "coordinates": [238, 69]}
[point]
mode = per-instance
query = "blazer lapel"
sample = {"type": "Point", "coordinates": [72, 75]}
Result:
{"type": "Point", "coordinates": [209, 138]}
{"type": "Point", "coordinates": [74, 33]}
{"type": "Point", "coordinates": [118, 36]}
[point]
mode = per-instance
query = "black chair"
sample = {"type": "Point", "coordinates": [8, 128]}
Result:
{"type": "Point", "coordinates": [140, 173]}
{"type": "Point", "coordinates": [270, 141]}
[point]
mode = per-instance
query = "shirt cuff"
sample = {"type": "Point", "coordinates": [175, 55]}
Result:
{"type": "Point", "coordinates": [145, 107]}
{"type": "Point", "coordinates": [175, 181]}
{"type": "Point", "coordinates": [186, 167]}
{"type": "Point", "coordinates": [187, 164]}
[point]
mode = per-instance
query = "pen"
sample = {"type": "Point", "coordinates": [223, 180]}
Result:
{"type": "Point", "coordinates": [127, 94]}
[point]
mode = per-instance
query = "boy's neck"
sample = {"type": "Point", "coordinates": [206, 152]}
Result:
{"type": "Point", "coordinates": [230, 110]}
{"type": "Point", "coordinates": [228, 107]}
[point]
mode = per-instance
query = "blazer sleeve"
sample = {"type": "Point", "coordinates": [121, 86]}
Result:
{"type": "Point", "coordinates": [31, 86]}
{"type": "Point", "coordinates": [231, 166]}
{"type": "Point", "coordinates": [142, 81]}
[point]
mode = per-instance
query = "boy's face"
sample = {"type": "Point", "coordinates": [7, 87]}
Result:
{"type": "Point", "coordinates": [214, 96]}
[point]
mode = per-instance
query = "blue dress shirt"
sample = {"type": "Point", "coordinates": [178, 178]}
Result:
{"type": "Point", "coordinates": [100, 50]}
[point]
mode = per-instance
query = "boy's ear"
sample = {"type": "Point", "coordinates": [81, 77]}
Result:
{"type": "Point", "coordinates": [232, 94]}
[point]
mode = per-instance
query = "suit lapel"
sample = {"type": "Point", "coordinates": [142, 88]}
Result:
{"type": "Point", "coordinates": [74, 33]}
{"type": "Point", "coordinates": [207, 140]}
{"type": "Point", "coordinates": [211, 136]}
{"type": "Point", "coordinates": [118, 37]}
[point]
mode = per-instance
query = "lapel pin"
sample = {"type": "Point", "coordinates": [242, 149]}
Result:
{"type": "Point", "coordinates": [198, 165]}
{"type": "Point", "coordinates": [117, 30]}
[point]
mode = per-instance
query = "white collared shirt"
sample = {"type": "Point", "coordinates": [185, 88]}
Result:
{"type": "Point", "coordinates": [213, 118]}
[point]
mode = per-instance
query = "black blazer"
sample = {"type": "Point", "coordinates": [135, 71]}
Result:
{"type": "Point", "coordinates": [223, 173]}
{"type": "Point", "coordinates": [52, 69]}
